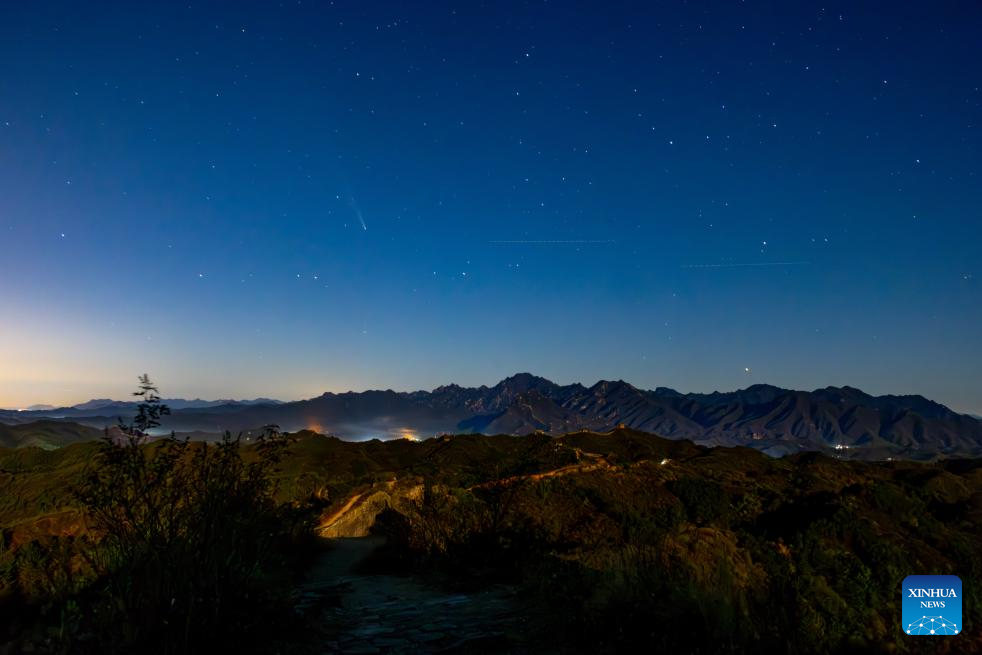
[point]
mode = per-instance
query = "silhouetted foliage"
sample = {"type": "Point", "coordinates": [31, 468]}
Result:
{"type": "Point", "coordinates": [148, 412]}
{"type": "Point", "coordinates": [188, 544]}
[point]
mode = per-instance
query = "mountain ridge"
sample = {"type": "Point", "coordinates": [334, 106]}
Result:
{"type": "Point", "coordinates": [109, 403]}
{"type": "Point", "coordinates": [766, 417]}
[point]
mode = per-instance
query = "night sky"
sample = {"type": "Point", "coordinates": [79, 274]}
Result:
{"type": "Point", "coordinates": [285, 199]}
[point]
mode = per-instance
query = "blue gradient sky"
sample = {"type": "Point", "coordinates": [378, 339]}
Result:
{"type": "Point", "coordinates": [182, 190]}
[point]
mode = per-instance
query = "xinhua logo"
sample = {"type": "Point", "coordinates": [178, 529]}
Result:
{"type": "Point", "coordinates": [932, 605]}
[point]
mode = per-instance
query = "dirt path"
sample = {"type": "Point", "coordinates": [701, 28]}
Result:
{"type": "Point", "coordinates": [405, 614]}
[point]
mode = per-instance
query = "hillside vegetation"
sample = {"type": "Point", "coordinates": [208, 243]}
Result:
{"type": "Point", "coordinates": [131, 545]}
{"type": "Point", "coordinates": [46, 434]}
{"type": "Point", "coordinates": [623, 534]}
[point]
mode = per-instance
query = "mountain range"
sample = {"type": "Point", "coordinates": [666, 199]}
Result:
{"type": "Point", "coordinates": [775, 420]}
{"type": "Point", "coordinates": [107, 405]}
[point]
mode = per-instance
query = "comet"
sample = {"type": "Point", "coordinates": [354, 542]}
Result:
{"type": "Point", "coordinates": [355, 208]}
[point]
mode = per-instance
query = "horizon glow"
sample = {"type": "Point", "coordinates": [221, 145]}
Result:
{"type": "Point", "coordinates": [244, 202]}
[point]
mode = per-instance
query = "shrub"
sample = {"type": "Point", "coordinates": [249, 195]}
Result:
{"type": "Point", "coordinates": [704, 501]}
{"type": "Point", "coordinates": [189, 536]}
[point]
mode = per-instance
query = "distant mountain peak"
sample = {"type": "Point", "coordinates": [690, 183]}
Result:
{"type": "Point", "coordinates": [844, 390]}
{"type": "Point", "coordinates": [522, 382]}
{"type": "Point", "coordinates": [96, 402]}
{"type": "Point", "coordinates": [451, 389]}
{"type": "Point", "coordinates": [525, 379]}
{"type": "Point", "coordinates": [762, 386]}
{"type": "Point", "coordinates": [667, 391]}
{"type": "Point", "coordinates": [612, 386]}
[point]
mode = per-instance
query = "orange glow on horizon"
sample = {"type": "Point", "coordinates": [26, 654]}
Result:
{"type": "Point", "coordinates": [315, 426]}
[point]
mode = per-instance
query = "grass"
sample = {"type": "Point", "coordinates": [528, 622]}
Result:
{"type": "Point", "coordinates": [618, 534]}
{"type": "Point", "coordinates": [170, 547]}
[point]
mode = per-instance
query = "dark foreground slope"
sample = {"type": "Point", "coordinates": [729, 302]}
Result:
{"type": "Point", "coordinates": [629, 540]}
{"type": "Point", "coordinates": [637, 543]}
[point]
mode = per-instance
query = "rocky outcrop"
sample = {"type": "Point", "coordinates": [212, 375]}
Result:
{"type": "Point", "coordinates": [356, 516]}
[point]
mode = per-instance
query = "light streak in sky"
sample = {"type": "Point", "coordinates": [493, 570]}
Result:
{"type": "Point", "coordinates": [550, 242]}
{"type": "Point", "coordinates": [745, 265]}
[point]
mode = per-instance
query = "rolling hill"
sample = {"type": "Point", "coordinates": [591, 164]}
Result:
{"type": "Point", "coordinates": [46, 434]}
